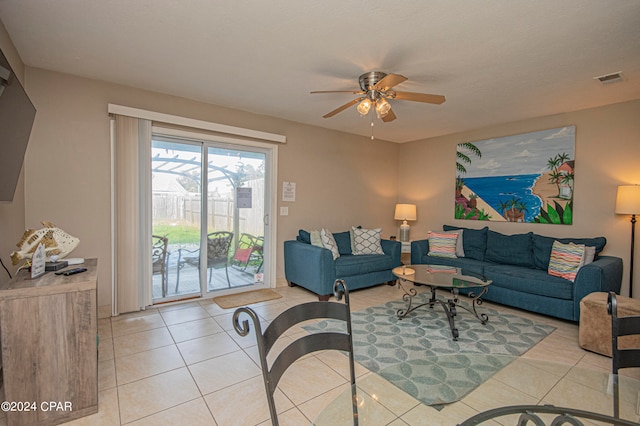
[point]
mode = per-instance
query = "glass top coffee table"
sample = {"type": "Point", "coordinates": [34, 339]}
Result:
{"type": "Point", "coordinates": [438, 277]}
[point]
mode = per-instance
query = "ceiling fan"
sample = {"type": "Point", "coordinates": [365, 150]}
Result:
{"type": "Point", "coordinates": [375, 86]}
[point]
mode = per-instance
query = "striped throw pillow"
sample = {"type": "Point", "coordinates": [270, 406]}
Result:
{"type": "Point", "coordinates": [566, 260]}
{"type": "Point", "coordinates": [442, 245]}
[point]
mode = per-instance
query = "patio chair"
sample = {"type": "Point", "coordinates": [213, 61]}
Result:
{"type": "Point", "coordinates": [622, 358]}
{"type": "Point", "coordinates": [160, 259]}
{"type": "Point", "coordinates": [218, 244]}
{"type": "Point", "coordinates": [341, 341]}
{"type": "Point", "coordinates": [249, 251]}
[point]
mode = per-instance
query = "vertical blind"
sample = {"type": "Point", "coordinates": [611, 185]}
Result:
{"type": "Point", "coordinates": [132, 227]}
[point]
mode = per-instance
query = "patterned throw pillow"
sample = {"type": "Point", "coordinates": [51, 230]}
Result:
{"type": "Point", "coordinates": [366, 241]}
{"type": "Point", "coordinates": [329, 242]}
{"type": "Point", "coordinates": [442, 245]}
{"type": "Point", "coordinates": [566, 260]}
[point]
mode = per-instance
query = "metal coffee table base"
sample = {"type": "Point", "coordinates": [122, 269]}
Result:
{"type": "Point", "coordinates": [449, 305]}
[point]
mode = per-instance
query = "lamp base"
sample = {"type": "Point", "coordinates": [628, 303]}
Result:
{"type": "Point", "coordinates": [404, 231]}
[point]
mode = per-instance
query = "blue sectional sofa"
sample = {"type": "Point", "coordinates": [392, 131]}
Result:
{"type": "Point", "coordinates": [518, 264]}
{"type": "Point", "coordinates": [314, 268]}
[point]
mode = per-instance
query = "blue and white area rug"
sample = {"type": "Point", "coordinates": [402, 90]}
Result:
{"type": "Point", "coordinates": [418, 354]}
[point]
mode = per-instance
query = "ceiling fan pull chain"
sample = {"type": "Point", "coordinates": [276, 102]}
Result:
{"type": "Point", "coordinates": [371, 126]}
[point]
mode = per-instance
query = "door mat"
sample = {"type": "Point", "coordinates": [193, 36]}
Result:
{"type": "Point", "coordinates": [246, 298]}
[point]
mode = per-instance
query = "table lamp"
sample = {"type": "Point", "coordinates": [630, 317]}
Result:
{"type": "Point", "coordinates": [628, 202]}
{"type": "Point", "coordinates": [405, 212]}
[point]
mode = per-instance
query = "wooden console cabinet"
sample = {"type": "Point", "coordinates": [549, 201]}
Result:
{"type": "Point", "coordinates": [48, 329]}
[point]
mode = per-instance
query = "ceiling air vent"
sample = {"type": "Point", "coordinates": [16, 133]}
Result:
{"type": "Point", "coordinates": [614, 77]}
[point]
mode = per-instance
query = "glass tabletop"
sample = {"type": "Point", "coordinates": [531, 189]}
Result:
{"type": "Point", "coordinates": [521, 385]}
{"type": "Point", "coordinates": [440, 276]}
{"type": "Point", "coordinates": [369, 411]}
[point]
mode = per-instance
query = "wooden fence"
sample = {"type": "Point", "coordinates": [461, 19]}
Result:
{"type": "Point", "coordinates": [186, 209]}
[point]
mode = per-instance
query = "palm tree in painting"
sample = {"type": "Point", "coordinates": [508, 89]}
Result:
{"type": "Point", "coordinates": [566, 179]}
{"type": "Point", "coordinates": [554, 164]}
{"type": "Point", "coordinates": [554, 177]}
{"type": "Point", "coordinates": [463, 155]}
{"type": "Point", "coordinates": [504, 205]}
{"type": "Point", "coordinates": [513, 209]}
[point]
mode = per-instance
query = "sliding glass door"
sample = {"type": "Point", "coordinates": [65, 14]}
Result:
{"type": "Point", "coordinates": [236, 201]}
{"type": "Point", "coordinates": [211, 221]}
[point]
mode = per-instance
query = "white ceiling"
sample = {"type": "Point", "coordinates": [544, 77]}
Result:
{"type": "Point", "coordinates": [496, 61]}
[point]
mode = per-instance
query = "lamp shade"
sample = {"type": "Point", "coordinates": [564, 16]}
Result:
{"type": "Point", "coordinates": [628, 199]}
{"type": "Point", "coordinates": [405, 212]}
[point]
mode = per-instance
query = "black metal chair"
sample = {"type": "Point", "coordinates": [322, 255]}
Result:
{"type": "Point", "coordinates": [160, 259]}
{"type": "Point", "coordinates": [302, 346]}
{"type": "Point", "coordinates": [218, 244]}
{"type": "Point", "coordinates": [622, 358]}
{"type": "Point", "coordinates": [530, 415]}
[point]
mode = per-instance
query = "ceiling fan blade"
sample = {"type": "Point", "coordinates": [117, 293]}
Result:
{"type": "Point", "coordinates": [389, 117]}
{"type": "Point", "coordinates": [342, 108]}
{"type": "Point", "coordinates": [420, 97]}
{"type": "Point", "coordinates": [389, 81]}
{"type": "Point", "coordinates": [355, 92]}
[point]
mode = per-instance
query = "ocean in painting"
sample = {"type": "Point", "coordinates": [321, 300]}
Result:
{"type": "Point", "coordinates": [500, 189]}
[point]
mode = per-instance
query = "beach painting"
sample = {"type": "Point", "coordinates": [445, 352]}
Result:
{"type": "Point", "coordinates": [525, 178]}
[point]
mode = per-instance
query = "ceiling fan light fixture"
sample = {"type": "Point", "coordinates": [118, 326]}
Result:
{"type": "Point", "coordinates": [364, 107]}
{"type": "Point", "coordinates": [376, 88]}
{"type": "Point", "coordinates": [382, 107]}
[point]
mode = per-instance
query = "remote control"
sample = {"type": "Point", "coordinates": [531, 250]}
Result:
{"type": "Point", "coordinates": [71, 271]}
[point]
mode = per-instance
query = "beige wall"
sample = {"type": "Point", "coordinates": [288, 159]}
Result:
{"type": "Point", "coordinates": [11, 214]}
{"type": "Point", "coordinates": [342, 180]}
{"type": "Point", "coordinates": [607, 154]}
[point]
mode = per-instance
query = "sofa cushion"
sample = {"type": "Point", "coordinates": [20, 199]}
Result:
{"type": "Point", "coordinates": [350, 265]}
{"type": "Point", "coordinates": [514, 249]}
{"type": "Point", "coordinates": [528, 280]}
{"type": "Point", "coordinates": [442, 244]}
{"type": "Point", "coordinates": [304, 236]}
{"type": "Point", "coordinates": [343, 239]}
{"type": "Point", "coordinates": [565, 260]}
{"type": "Point", "coordinates": [474, 241]}
{"type": "Point", "coordinates": [366, 241]}
{"type": "Point", "coordinates": [542, 247]}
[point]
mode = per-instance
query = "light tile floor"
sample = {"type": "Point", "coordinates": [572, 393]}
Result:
{"type": "Point", "coordinates": [185, 365]}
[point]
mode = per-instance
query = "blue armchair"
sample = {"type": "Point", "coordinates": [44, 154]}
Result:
{"type": "Point", "coordinates": [314, 268]}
